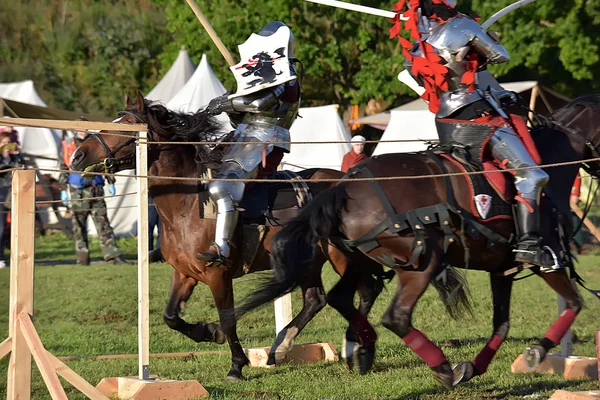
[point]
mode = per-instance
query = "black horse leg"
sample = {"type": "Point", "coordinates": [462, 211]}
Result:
{"type": "Point", "coordinates": [359, 342]}
{"type": "Point", "coordinates": [221, 286]}
{"type": "Point", "coordinates": [560, 282]}
{"type": "Point", "coordinates": [314, 301]}
{"type": "Point", "coordinates": [181, 290]}
{"type": "Point", "coordinates": [501, 291]}
{"type": "Point", "coordinates": [370, 287]}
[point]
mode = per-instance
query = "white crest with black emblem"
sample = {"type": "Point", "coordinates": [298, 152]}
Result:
{"type": "Point", "coordinates": [264, 64]}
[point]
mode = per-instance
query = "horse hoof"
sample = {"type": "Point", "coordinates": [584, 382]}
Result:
{"type": "Point", "coordinates": [534, 355]}
{"type": "Point", "coordinates": [349, 353]}
{"type": "Point", "coordinates": [217, 334]}
{"type": "Point", "coordinates": [366, 357]}
{"type": "Point", "coordinates": [444, 375]}
{"type": "Point", "coordinates": [234, 377]}
{"type": "Point", "coordinates": [462, 372]}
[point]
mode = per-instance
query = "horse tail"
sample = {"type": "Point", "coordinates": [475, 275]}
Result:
{"type": "Point", "coordinates": [293, 249]}
{"type": "Point", "coordinates": [454, 292]}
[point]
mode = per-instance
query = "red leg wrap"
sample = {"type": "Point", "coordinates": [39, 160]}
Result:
{"type": "Point", "coordinates": [429, 352]}
{"type": "Point", "coordinates": [561, 326]}
{"type": "Point", "coordinates": [485, 356]}
{"type": "Point", "coordinates": [365, 331]}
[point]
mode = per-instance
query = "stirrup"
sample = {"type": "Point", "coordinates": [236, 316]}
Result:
{"type": "Point", "coordinates": [213, 257]}
{"type": "Point", "coordinates": [543, 268]}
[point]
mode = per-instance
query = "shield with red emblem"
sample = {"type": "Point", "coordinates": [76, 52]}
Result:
{"type": "Point", "coordinates": [264, 64]}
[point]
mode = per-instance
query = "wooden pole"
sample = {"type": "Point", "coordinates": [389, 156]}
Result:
{"type": "Point", "coordinates": [532, 100]}
{"type": "Point", "coordinates": [586, 221]}
{"type": "Point", "coordinates": [283, 312]}
{"type": "Point", "coordinates": [566, 342]}
{"type": "Point", "coordinates": [21, 281]}
{"type": "Point", "coordinates": [211, 32]}
{"type": "Point", "coordinates": [143, 278]}
{"type": "Point", "coordinates": [598, 351]}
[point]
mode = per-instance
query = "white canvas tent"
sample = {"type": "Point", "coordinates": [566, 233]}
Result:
{"type": "Point", "coordinates": [199, 90]}
{"type": "Point", "coordinates": [41, 142]}
{"type": "Point", "coordinates": [317, 124]}
{"type": "Point", "coordinates": [407, 125]}
{"type": "Point", "coordinates": [175, 78]}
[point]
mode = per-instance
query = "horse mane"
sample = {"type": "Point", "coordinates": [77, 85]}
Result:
{"type": "Point", "coordinates": [200, 126]}
{"type": "Point", "coordinates": [588, 101]}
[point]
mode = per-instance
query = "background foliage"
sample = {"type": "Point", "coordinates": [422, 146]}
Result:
{"type": "Point", "coordinates": [84, 54]}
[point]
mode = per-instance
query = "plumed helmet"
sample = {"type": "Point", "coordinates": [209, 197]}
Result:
{"type": "Point", "coordinates": [271, 28]}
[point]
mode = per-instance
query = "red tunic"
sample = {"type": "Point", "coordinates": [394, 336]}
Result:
{"type": "Point", "coordinates": [351, 159]}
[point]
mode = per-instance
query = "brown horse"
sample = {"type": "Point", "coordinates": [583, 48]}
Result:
{"type": "Point", "coordinates": [419, 227]}
{"type": "Point", "coordinates": [186, 232]}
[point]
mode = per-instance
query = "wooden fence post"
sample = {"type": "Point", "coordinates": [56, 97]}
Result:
{"type": "Point", "coordinates": [22, 236]}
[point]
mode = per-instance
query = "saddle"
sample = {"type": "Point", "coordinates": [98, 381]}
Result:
{"type": "Point", "coordinates": [267, 205]}
{"type": "Point", "coordinates": [465, 145]}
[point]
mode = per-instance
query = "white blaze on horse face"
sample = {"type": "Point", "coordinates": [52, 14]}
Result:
{"type": "Point", "coordinates": [118, 120]}
{"type": "Point", "coordinates": [72, 157]}
{"type": "Point", "coordinates": [483, 202]}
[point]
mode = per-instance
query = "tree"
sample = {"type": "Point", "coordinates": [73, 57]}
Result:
{"type": "Point", "coordinates": [347, 57]}
{"type": "Point", "coordinates": [554, 42]}
{"type": "Point", "coordinates": [82, 55]}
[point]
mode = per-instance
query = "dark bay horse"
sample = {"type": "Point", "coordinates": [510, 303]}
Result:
{"type": "Point", "coordinates": [186, 232]}
{"type": "Point", "coordinates": [351, 209]}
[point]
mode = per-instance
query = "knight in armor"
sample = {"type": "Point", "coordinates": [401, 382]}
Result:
{"type": "Point", "coordinates": [455, 90]}
{"type": "Point", "coordinates": [266, 103]}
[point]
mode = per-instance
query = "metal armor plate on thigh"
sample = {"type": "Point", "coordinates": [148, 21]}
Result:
{"type": "Point", "coordinates": [506, 145]}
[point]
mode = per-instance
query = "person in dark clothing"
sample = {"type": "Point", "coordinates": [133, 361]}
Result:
{"type": "Point", "coordinates": [86, 193]}
{"type": "Point", "coordinates": [10, 157]}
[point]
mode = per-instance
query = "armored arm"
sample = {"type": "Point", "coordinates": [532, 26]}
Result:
{"type": "Point", "coordinates": [259, 101]}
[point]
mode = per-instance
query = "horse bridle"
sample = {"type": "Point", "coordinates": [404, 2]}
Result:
{"type": "Point", "coordinates": [110, 162]}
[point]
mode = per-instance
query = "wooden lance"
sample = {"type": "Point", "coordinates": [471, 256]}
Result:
{"type": "Point", "coordinates": [211, 32]}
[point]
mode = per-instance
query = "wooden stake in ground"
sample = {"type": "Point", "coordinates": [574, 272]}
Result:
{"type": "Point", "coordinates": [23, 340]}
{"type": "Point", "coordinates": [145, 387]}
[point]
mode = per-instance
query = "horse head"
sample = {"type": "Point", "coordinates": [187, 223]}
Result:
{"type": "Point", "coordinates": [580, 120]}
{"type": "Point", "coordinates": [113, 151]}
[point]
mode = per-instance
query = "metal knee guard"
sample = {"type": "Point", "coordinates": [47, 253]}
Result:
{"type": "Point", "coordinates": [227, 196]}
{"type": "Point", "coordinates": [507, 147]}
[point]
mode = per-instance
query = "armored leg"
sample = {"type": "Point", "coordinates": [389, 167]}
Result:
{"type": "Point", "coordinates": [226, 196]}
{"type": "Point", "coordinates": [508, 149]}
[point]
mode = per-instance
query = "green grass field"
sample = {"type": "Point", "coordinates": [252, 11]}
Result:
{"type": "Point", "coordinates": [92, 311]}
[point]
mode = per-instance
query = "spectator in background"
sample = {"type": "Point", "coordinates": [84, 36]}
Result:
{"type": "Point", "coordinates": [153, 222]}
{"type": "Point", "coordinates": [356, 155]}
{"type": "Point", "coordinates": [84, 194]}
{"type": "Point", "coordinates": [10, 157]}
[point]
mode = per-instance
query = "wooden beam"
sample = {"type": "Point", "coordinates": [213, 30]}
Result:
{"type": "Point", "coordinates": [283, 312]}
{"type": "Point", "coordinates": [143, 278]}
{"type": "Point", "coordinates": [40, 355]}
{"type": "Point", "coordinates": [5, 347]}
{"type": "Point", "coordinates": [156, 355]}
{"type": "Point", "coordinates": [72, 125]}
{"type": "Point", "coordinates": [74, 379]}
{"type": "Point", "coordinates": [586, 221]}
{"type": "Point", "coordinates": [21, 281]}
